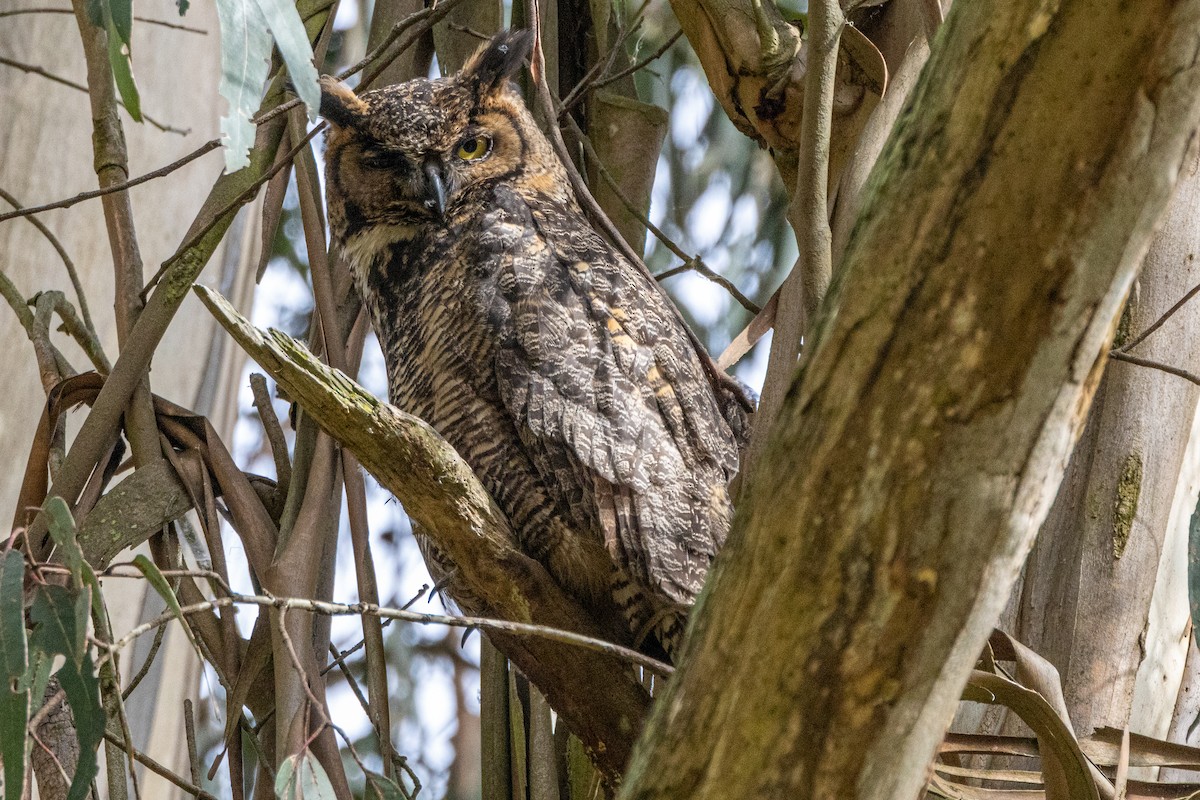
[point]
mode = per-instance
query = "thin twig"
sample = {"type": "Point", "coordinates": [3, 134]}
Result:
{"type": "Point", "coordinates": [315, 702]}
{"type": "Point", "coordinates": [1158, 323]}
{"type": "Point", "coordinates": [189, 729]}
{"type": "Point", "coordinates": [72, 273]}
{"type": "Point", "coordinates": [1119, 355]}
{"type": "Point", "coordinates": [599, 68]}
{"type": "Point", "coordinates": [207, 147]}
{"type": "Point", "coordinates": [455, 26]}
{"type": "Point", "coordinates": [236, 202]}
{"type": "Point", "coordinates": [689, 262]}
{"type": "Point", "coordinates": [147, 20]}
{"type": "Point", "coordinates": [357, 609]}
{"type": "Point", "coordinates": [273, 431]}
{"type": "Point", "coordinates": [144, 670]}
{"type": "Point", "coordinates": [429, 16]}
{"type": "Point", "coordinates": [158, 769]}
{"type": "Point", "coordinates": [657, 54]}
{"type": "Point", "coordinates": [36, 70]}
{"type": "Point", "coordinates": [55, 301]}
{"type": "Point", "coordinates": [354, 648]}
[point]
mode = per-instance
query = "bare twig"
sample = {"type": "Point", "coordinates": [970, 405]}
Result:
{"type": "Point", "coordinates": [36, 70]}
{"type": "Point", "coordinates": [147, 20]}
{"type": "Point", "coordinates": [273, 431]}
{"type": "Point", "coordinates": [55, 301]}
{"type": "Point", "coordinates": [144, 670]}
{"type": "Point", "coordinates": [158, 769]}
{"type": "Point", "coordinates": [657, 54]}
{"type": "Point", "coordinates": [29, 211]}
{"type": "Point", "coordinates": [52, 365]}
{"type": "Point", "coordinates": [357, 609]}
{"type": "Point", "coordinates": [689, 262]}
{"type": "Point", "coordinates": [425, 18]}
{"type": "Point", "coordinates": [189, 728]}
{"type": "Point", "coordinates": [72, 273]}
{"type": "Point", "coordinates": [1120, 355]}
{"type": "Point", "coordinates": [1158, 323]}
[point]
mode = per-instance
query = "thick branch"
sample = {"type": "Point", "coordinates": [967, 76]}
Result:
{"type": "Point", "coordinates": [921, 446]}
{"type": "Point", "coordinates": [596, 694]}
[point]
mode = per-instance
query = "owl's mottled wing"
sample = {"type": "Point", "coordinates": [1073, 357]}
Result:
{"type": "Point", "coordinates": [608, 392]}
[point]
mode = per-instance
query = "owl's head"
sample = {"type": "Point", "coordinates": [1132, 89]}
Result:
{"type": "Point", "coordinates": [407, 155]}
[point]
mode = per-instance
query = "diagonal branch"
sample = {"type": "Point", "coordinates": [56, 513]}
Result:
{"type": "Point", "coordinates": [595, 693]}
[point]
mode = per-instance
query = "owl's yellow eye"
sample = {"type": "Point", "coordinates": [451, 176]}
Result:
{"type": "Point", "coordinates": [474, 148]}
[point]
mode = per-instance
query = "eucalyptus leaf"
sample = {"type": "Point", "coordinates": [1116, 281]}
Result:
{"type": "Point", "coordinates": [120, 58]}
{"type": "Point", "coordinates": [60, 626]}
{"type": "Point", "coordinates": [159, 581]}
{"type": "Point", "coordinates": [60, 621]}
{"type": "Point", "coordinates": [62, 531]}
{"type": "Point", "coordinates": [292, 40]}
{"type": "Point", "coordinates": [245, 50]}
{"type": "Point", "coordinates": [301, 777]}
{"type": "Point", "coordinates": [97, 12]}
{"type": "Point", "coordinates": [14, 716]}
{"type": "Point", "coordinates": [121, 14]}
{"type": "Point", "coordinates": [380, 787]}
{"type": "Point", "coordinates": [14, 654]}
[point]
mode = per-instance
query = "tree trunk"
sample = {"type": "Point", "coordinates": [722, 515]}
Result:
{"type": "Point", "coordinates": [922, 443]}
{"type": "Point", "coordinates": [1085, 603]}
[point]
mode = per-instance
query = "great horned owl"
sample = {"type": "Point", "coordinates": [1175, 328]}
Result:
{"type": "Point", "coordinates": [558, 370]}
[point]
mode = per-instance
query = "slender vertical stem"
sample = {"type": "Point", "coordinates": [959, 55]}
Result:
{"type": "Point", "coordinates": [805, 288]}
{"type": "Point", "coordinates": [111, 158]}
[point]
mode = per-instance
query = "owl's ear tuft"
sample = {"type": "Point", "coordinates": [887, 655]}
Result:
{"type": "Point", "coordinates": [498, 60]}
{"type": "Point", "coordinates": [339, 104]}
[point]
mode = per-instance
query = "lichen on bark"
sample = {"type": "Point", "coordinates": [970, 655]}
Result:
{"type": "Point", "coordinates": [1129, 487]}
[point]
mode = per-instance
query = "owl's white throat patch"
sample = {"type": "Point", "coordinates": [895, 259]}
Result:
{"type": "Point", "coordinates": [365, 247]}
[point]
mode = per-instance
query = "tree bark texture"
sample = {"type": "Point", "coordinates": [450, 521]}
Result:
{"type": "Point", "coordinates": [1085, 602]}
{"type": "Point", "coordinates": [922, 443]}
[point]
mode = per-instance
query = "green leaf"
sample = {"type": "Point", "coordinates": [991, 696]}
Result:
{"type": "Point", "coordinates": [14, 654]}
{"type": "Point", "coordinates": [14, 716]}
{"type": "Point", "coordinates": [382, 788]}
{"type": "Point", "coordinates": [62, 530]}
{"type": "Point", "coordinates": [60, 627]}
{"type": "Point", "coordinates": [121, 59]}
{"type": "Point", "coordinates": [83, 693]}
{"type": "Point", "coordinates": [60, 621]}
{"type": "Point", "coordinates": [37, 677]}
{"type": "Point", "coordinates": [301, 777]}
{"type": "Point", "coordinates": [161, 585]}
{"type": "Point", "coordinates": [121, 14]}
{"type": "Point", "coordinates": [183, 6]}
{"type": "Point", "coordinates": [292, 41]}
{"type": "Point", "coordinates": [245, 48]}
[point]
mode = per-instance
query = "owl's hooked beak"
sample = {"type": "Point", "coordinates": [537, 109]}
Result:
{"type": "Point", "coordinates": [435, 187]}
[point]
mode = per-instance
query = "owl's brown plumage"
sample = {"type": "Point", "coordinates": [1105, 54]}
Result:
{"type": "Point", "coordinates": [558, 370]}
